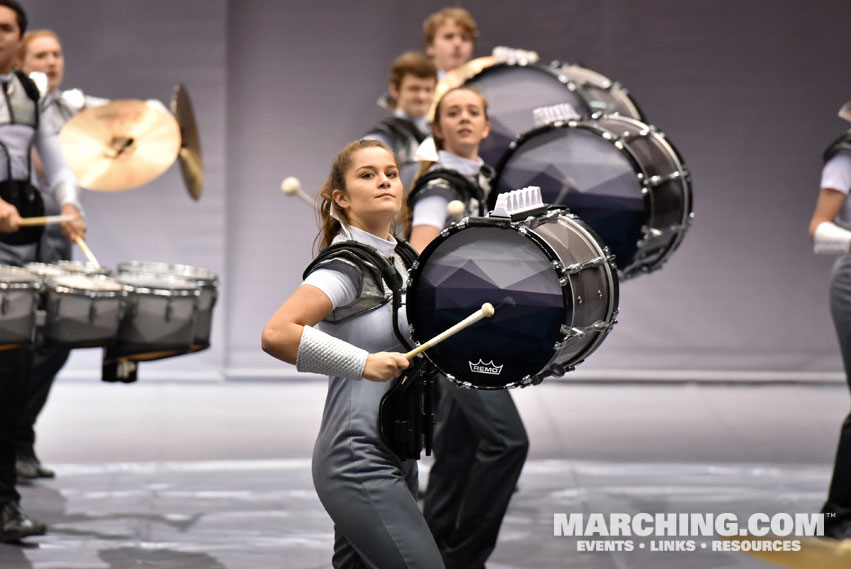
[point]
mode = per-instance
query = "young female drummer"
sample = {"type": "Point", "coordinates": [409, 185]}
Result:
{"type": "Point", "coordinates": [480, 443]}
{"type": "Point", "coordinates": [336, 324]}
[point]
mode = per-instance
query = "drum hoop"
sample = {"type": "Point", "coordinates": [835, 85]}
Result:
{"type": "Point", "coordinates": [498, 223]}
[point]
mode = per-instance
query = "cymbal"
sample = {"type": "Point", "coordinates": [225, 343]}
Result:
{"type": "Point", "coordinates": [191, 163]}
{"type": "Point", "coordinates": [815, 553]}
{"type": "Point", "coordinates": [457, 77]}
{"type": "Point", "coordinates": [121, 145]}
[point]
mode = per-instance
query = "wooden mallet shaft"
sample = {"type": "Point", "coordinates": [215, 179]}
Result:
{"type": "Point", "coordinates": [486, 311]}
{"type": "Point", "coordinates": [45, 220]}
{"type": "Point", "coordinates": [86, 251]}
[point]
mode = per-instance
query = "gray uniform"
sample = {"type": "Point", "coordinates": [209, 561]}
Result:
{"type": "Point", "coordinates": [836, 175]}
{"type": "Point", "coordinates": [18, 117]}
{"type": "Point", "coordinates": [367, 490]}
{"type": "Point", "coordinates": [480, 445]}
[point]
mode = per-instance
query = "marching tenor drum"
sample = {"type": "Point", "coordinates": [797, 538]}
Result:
{"type": "Point", "coordinates": [160, 317]}
{"type": "Point", "coordinates": [19, 292]}
{"type": "Point", "coordinates": [551, 280]}
{"type": "Point", "coordinates": [206, 280]}
{"type": "Point", "coordinates": [621, 176]}
{"type": "Point", "coordinates": [82, 307]}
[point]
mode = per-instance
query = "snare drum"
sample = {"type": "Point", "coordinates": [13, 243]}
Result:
{"type": "Point", "coordinates": [619, 175]}
{"type": "Point", "coordinates": [551, 280]}
{"type": "Point", "coordinates": [159, 321]}
{"type": "Point", "coordinates": [207, 281]}
{"type": "Point", "coordinates": [81, 310]}
{"type": "Point", "coordinates": [513, 91]}
{"type": "Point", "coordinates": [19, 290]}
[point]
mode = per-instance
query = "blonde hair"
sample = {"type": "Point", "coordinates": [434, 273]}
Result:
{"type": "Point", "coordinates": [459, 15]}
{"type": "Point", "coordinates": [28, 39]}
{"type": "Point", "coordinates": [330, 225]}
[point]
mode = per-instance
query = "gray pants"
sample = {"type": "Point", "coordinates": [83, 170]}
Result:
{"type": "Point", "coordinates": [377, 523]}
{"type": "Point", "coordinates": [839, 496]}
{"type": "Point", "coordinates": [480, 446]}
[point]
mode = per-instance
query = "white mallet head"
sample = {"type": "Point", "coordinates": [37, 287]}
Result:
{"type": "Point", "coordinates": [487, 309]}
{"type": "Point", "coordinates": [455, 208]}
{"type": "Point", "coordinates": [290, 185]}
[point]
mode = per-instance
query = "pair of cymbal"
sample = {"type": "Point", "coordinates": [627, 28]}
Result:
{"type": "Point", "coordinates": [127, 143]}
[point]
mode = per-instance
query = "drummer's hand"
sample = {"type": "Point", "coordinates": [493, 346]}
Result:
{"type": "Point", "coordinates": [76, 227]}
{"type": "Point", "coordinates": [9, 218]}
{"type": "Point", "coordinates": [384, 366]}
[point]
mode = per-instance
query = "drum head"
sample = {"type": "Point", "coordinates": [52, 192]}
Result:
{"type": "Point", "coordinates": [512, 93]}
{"type": "Point", "coordinates": [579, 168]}
{"type": "Point", "coordinates": [459, 272]}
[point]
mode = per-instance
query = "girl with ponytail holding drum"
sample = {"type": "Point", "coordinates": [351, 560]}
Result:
{"type": "Point", "coordinates": [480, 443]}
{"type": "Point", "coordinates": [340, 323]}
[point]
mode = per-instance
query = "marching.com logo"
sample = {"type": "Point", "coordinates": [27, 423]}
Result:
{"type": "Point", "coordinates": [487, 368]}
{"type": "Point", "coordinates": [759, 532]}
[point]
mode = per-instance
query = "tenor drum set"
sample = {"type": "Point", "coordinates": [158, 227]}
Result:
{"type": "Point", "coordinates": [142, 310]}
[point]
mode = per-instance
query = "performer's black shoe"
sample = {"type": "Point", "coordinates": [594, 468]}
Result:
{"type": "Point", "coordinates": [29, 468]}
{"type": "Point", "coordinates": [15, 525]}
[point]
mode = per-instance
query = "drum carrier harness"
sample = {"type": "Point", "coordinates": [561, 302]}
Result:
{"type": "Point", "coordinates": [21, 193]}
{"type": "Point", "coordinates": [406, 412]}
{"type": "Point", "coordinates": [841, 143]}
{"type": "Point", "coordinates": [467, 189]}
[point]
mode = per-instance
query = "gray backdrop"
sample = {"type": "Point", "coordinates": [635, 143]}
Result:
{"type": "Point", "coordinates": [747, 90]}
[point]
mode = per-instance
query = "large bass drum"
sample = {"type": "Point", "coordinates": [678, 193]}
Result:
{"type": "Point", "coordinates": [514, 90]}
{"type": "Point", "coordinates": [550, 279]}
{"type": "Point", "coordinates": [619, 175]}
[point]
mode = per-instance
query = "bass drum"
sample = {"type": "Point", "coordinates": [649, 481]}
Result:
{"type": "Point", "coordinates": [619, 175]}
{"type": "Point", "coordinates": [602, 94]}
{"type": "Point", "coordinates": [513, 91]}
{"type": "Point", "coordinates": [550, 280]}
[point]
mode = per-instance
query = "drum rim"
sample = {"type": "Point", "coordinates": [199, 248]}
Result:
{"type": "Point", "coordinates": [28, 280]}
{"type": "Point", "coordinates": [611, 86]}
{"type": "Point", "coordinates": [568, 83]}
{"type": "Point", "coordinates": [54, 286]}
{"type": "Point", "coordinates": [499, 223]}
{"type": "Point", "coordinates": [200, 274]}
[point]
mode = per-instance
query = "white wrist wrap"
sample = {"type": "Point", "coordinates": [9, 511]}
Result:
{"type": "Point", "coordinates": [322, 353]}
{"type": "Point", "coordinates": [830, 239]}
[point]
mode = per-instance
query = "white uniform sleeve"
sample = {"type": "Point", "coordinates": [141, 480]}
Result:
{"type": "Point", "coordinates": [337, 286]}
{"type": "Point", "coordinates": [60, 177]}
{"type": "Point", "coordinates": [430, 210]}
{"type": "Point", "coordinates": [836, 173]}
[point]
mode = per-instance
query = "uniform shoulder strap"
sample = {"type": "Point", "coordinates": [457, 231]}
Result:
{"type": "Point", "coordinates": [366, 258]}
{"type": "Point", "coordinates": [841, 143]}
{"type": "Point", "coordinates": [459, 183]}
{"type": "Point", "coordinates": [29, 86]}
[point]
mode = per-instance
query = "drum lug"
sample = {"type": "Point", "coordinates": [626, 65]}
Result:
{"type": "Point", "coordinates": [93, 313]}
{"type": "Point", "coordinates": [168, 311]}
{"type": "Point", "coordinates": [4, 305]}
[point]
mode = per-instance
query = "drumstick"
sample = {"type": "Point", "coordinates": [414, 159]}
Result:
{"type": "Point", "coordinates": [86, 251]}
{"type": "Point", "coordinates": [45, 220]}
{"type": "Point", "coordinates": [486, 311]}
{"type": "Point", "coordinates": [291, 186]}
